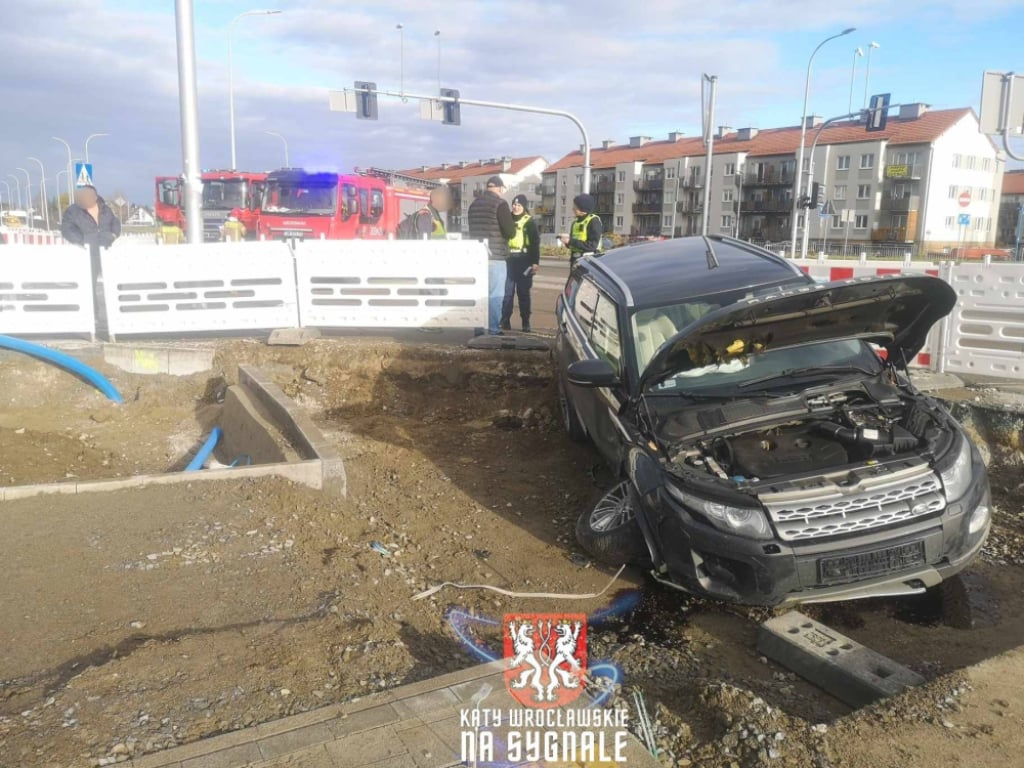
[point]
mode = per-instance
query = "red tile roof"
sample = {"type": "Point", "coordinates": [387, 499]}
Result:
{"type": "Point", "coordinates": [454, 172]}
{"type": "Point", "coordinates": [1013, 183]}
{"type": "Point", "coordinates": [773, 141]}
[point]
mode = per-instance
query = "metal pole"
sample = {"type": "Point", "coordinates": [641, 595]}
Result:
{"type": "Point", "coordinates": [709, 142]}
{"type": "Point", "coordinates": [17, 186]}
{"type": "Point", "coordinates": [28, 198]}
{"type": "Point", "coordinates": [287, 162]}
{"type": "Point", "coordinates": [739, 200]}
{"type": "Point", "coordinates": [42, 192]}
{"type": "Point", "coordinates": [1016, 252]}
{"type": "Point", "coordinates": [10, 202]}
{"type": "Point", "coordinates": [401, 59]}
{"type": "Point", "coordinates": [231, 75]}
{"type": "Point", "coordinates": [867, 73]}
{"type": "Point", "coordinates": [71, 192]}
{"type": "Point", "coordinates": [90, 138]}
{"type": "Point", "coordinates": [803, 136]}
{"type": "Point", "coordinates": [511, 107]}
{"type": "Point", "coordinates": [437, 34]}
{"type": "Point", "coordinates": [56, 181]}
{"type": "Point", "coordinates": [189, 120]}
{"type": "Point", "coordinates": [857, 53]}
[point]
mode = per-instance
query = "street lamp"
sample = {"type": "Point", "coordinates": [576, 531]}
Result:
{"type": "Point", "coordinates": [803, 137]}
{"type": "Point", "coordinates": [70, 163]}
{"type": "Point", "coordinates": [857, 53]}
{"type": "Point", "coordinates": [437, 35]}
{"type": "Point", "coordinates": [56, 181]}
{"type": "Point", "coordinates": [42, 191]}
{"type": "Point", "coordinates": [401, 59]}
{"type": "Point", "coordinates": [231, 75]}
{"type": "Point", "coordinates": [867, 73]}
{"type": "Point", "coordinates": [90, 138]}
{"type": "Point", "coordinates": [287, 163]}
{"type": "Point", "coordinates": [17, 186]}
{"type": "Point", "coordinates": [10, 202]}
{"type": "Point", "coordinates": [28, 198]}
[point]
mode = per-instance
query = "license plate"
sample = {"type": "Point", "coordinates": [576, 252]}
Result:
{"type": "Point", "coordinates": [834, 570]}
{"type": "Point", "coordinates": [290, 233]}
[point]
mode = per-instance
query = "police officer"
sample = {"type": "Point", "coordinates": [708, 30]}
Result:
{"type": "Point", "coordinates": [523, 261]}
{"type": "Point", "coordinates": [586, 232]}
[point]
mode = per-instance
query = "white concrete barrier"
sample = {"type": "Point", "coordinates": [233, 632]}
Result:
{"type": "Point", "coordinates": [392, 283]}
{"type": "Point", "coordinates": [207, 287]}
{"type": "Point", "coordinates": [45, 290]}
{"type": "Point", "coordinates": [986, 328]}
{"type": "Point", "coordinates": [30, 237]}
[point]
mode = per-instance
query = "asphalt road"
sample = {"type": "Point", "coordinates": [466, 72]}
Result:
{"type": "Point", "coordinates": [547, 284]}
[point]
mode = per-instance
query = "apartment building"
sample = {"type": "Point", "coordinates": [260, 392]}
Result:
{"type": "Point", "coordinates": [522, 175]}
{"type": "Point", "coordinates": [1010, 209]}
{"type": "Point", "coordinates": [930, 178]}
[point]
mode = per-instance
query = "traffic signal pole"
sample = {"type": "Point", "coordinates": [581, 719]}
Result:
{"type": "Point", "coordinates": [495, 105]}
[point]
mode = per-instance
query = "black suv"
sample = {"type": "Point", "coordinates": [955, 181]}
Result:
{"type": "Point", "coordinates": [770, 445]}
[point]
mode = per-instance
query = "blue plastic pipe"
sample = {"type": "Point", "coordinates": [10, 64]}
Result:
{"type": "Point", "coordinates": [204, 452]}
{"type": "Point", "coordinates": [68, 363]}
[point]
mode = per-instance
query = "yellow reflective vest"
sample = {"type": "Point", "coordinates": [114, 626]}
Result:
{"type": "Point", "coordinates": [579, 230]}
{"type": "Point", "coordinates": [517, 243]}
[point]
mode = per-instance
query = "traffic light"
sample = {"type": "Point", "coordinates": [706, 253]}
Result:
{"type": "Point", "coordinates": [366, 100]}
{"type": "Point", "coordinates": [815, 193]}
{"type": "Point", "coordinates": [452, 110]}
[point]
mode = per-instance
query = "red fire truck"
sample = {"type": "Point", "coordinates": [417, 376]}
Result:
{"type": "Point", "coordinates": [223, 192]}
{"type": "Point", "coordinates": [366, 205]}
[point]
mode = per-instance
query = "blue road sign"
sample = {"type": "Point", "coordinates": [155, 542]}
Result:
{"type": "Point", "coordinates": [83, 175]}
{"type": "Point", "coordinates": [965, 219]}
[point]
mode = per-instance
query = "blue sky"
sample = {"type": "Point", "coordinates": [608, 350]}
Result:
{"type": "Point", "coordinates": [625, 69]}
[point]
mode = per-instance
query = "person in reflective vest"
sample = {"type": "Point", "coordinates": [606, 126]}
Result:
{"type": "Point", "coordinates": [430, 221]}
{"type": "Point", "coordinates": [523, 261]}
{"type": "Point", "coordinates": [585, 234]}
{"type": "Point", "coordinates": [232, 231]}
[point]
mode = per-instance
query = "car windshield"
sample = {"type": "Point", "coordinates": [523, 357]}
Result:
{"type": "Point", "coordinates": [289, 197]}
{"type": "Point", "coordinates": [223, 195]}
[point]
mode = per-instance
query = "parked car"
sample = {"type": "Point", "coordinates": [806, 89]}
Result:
{"type": "Point", "coordinates": [765, 451]}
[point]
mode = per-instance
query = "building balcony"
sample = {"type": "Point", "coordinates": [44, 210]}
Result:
{"type": "Point", "coordinates": [643, 208]}
{"type": "Point", "coordinates": [652, 184]}
{"type": "Point", "coordinates": [602, 185]}
{"type": "Point", "coordinates": [891, 235]}
{"type": "Point", "coordinates": [689, 206]}
{"type": "Point", "coordinates": [906, 203]}
{"type": "Point", "coordinates": [768, 177]}
{"type": "Point", "coordinates": [691, 182]}
{"type": "Point", "coordinates": [767, 206]}
{"type": "Point", "coordinates": [903, 171]}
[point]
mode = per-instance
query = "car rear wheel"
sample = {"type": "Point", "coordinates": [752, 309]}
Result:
{"type": "Point", "coordinates": [570, 421]}
{"type": "Point", "coordinates": [609, 530]}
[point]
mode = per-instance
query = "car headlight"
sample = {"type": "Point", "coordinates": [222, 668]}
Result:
{"type": "Point", "coordinates": [956, 478]}
{"type": "Point", "coordinates": [745, 521]}
{"type": "Point", "coordinates": [979, 519]}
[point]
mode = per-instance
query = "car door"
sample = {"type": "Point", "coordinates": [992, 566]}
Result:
{"type": "Point", "coordinates": [602, 421]}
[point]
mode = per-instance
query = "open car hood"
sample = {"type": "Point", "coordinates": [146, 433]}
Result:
{"type": "Point", "coordinates": [894, 311]}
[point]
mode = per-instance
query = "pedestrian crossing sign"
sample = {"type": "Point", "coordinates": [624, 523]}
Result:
{"type": "Point", "coordinates": [83, 175]}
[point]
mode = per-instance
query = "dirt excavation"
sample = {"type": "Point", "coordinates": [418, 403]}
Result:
{"type": "Point", "coordinates": [138, 620]}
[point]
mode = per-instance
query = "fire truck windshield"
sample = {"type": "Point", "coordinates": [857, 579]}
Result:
{"type": "Point", "coordinates": [301, 198]}
{"type": "Point", "coordinates": [223, 195]}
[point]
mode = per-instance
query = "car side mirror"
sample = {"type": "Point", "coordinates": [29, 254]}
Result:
{"type": "Point", "coordinates": [592, 373]}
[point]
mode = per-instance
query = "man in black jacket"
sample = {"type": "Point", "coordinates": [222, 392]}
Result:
{"type": "Point", "coordinates": [490, 219]}
{"type": "Point", "coordinates": [89, 222]}
{"type": "Point", "coordinates": [523, 262]}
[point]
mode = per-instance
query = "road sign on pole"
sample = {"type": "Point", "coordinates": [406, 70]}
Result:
{"type": "Point", "coordinates": [965, 219]}
{"type": "Point", "coordinates": [83, 175]}
{"type": "Point", "coordinates": [878, 112]}
{"type": "Point", "coordinates": [965, 198]}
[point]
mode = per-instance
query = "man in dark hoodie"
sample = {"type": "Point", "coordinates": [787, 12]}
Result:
{"type": "Point", "coordinates": [586, 232]}
{"type": "Point", "coordinates": [89, 222]}
{"type": "Point", "coordinates": [523, 262]}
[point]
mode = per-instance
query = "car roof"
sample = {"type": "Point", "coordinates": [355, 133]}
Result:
{"type": "Point", "coordinates": [668, 271]}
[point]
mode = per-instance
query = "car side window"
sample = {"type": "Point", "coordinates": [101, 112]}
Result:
{"type": "Point", "coordinates": [605, 335]}
{"type": "Point", "coordinates": [585, 305]}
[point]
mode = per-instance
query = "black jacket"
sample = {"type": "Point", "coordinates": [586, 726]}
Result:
{"type": "Point", "coordinates": [532, 236]}
{"type": "Point", "coordinates": [80, 228]}
{"type": "Point", "coordinates": [489, 218]}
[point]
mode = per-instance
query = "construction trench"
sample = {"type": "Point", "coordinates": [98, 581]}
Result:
{"type": "Point", "coordinates": [135, 619]}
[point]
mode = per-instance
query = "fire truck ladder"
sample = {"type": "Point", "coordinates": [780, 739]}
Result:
{"type": "Point", "coordinates": [399, 179]}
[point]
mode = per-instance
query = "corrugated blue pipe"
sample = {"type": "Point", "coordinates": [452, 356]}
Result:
{"type": "Point", "coordinates": [68, 363]}
{"type": "Point", "coordinates": [204, 453]}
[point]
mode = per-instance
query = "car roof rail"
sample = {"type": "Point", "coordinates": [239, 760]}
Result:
{"type": "Point", "coordinates": [626, 293]}
{"type": "Point", "coordinates": [756, 249]}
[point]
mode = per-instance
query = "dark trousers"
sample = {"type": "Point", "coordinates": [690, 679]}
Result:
{"type": "Point", "coordinates": [517, 282]}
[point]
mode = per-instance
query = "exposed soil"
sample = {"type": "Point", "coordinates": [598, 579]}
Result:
{"type": "Point", "coordinates": [142, 619]}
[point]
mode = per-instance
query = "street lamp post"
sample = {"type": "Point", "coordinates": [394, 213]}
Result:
{"type": "Point", "coordinates": [867, 73]}
{"type": "Point", "coordinates": [231, 75]}
{"type": "Point", "coordinates": [28, 198]}
{"type": "Point", "coordinates": [287, 163]}
{"type": "Point", "coordinates": [42, 191]}
{"type": "Point", "coordinates": [90, 138]}
{"type": "Point", "coordinates": [803, 137]}
{"type": "Point", "coordinates": [17, 187]}
{"type": "Point", "coordinates": [857, 53]}
{"type": "Point", "coordinates": [71, 193]}
{"type": "Point", "coordinates": [56, 181]}
{"type": "Point", "coordinates": [10, 202]}
{"type": "Point", "coordinates": [437, 35]}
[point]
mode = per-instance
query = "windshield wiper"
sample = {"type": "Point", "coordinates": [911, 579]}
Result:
{"type": "Point", "coordinates": [798, 373]}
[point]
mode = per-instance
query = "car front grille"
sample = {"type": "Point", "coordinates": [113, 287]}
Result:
{"type": "Point", "coordinates": [835, 506]}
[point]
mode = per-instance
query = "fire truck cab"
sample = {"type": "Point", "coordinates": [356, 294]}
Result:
{"type": "Point", "coordinates": [224, 192]}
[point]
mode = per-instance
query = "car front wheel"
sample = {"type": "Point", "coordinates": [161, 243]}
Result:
{"type": "Point", "coordinates": [609, 530]}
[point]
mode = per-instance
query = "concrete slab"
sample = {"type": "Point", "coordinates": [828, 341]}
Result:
{"type": "Point", "coordinates": [153, 359]}
{"type": "Point", "coordinates": [526, 343]}
{"type": "Point", "coordinates": [837, 664]}
{"type": "Point", "coordinates": [292, 337]}
{"type": "Point", "coordinates": [247, 431]}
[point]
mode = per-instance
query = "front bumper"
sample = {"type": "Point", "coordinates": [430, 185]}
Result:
{"type": "Point", "coordinates": [706, 561]}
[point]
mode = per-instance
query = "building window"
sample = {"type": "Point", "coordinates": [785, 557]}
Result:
{"type": "Point", "coordinates": [867, 161]}
{"type": "Point", "coordinates": [956, 161]}
{"type": "Point", "coordinates": [988, 225]}
{"type": "Point", "coordinates": [666, 221]}
{"type": "Point", "coordinates": [726, 222]}
{"type": "Point", "coordinates": [807, 163]}
{"type": "Point", "coordinates": [670, 195]}
{"type": "Point", "coordinates": [839, 192]}
{"type": "Point", "coordinates": [971, 159]}
{"type": "Point", "coordinates": [800, 221]}
{"type": "Point", "coordinates": [843, 163]}
{"type": "Point", "coordinates": [950, 222]}
{"type": "Point", "coordinates": [620, 198]}
{"type": "Point", "coordinates": [863, 191]}
{"type": "Point", "coordinates": [986, 164]}
{"type": "Point", "coordinates": [983, 194]}
{"type": "Point", "coordinates": [861, 222]}
{"type": "Point", "coordinates": [954, 191]}
{"type": "Point", "coordinates": [622, 176]}
{"type": "Point", "coordinates": [695, 172]}
{"type": "Point", "coordinates": [579, 180]}
{"type": "Point", "coordinates": [727, 195]}
{"type": "Point", "coordinates": [837, 221]}
{"type": "Point", "coordinates": [670, 172]}
{"type": "Point", "coordinates": [730, 169]}
{"type": "Point", "coordinates": [618, 222]}
{"type": "Point", "coordinates": [979, 223]}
